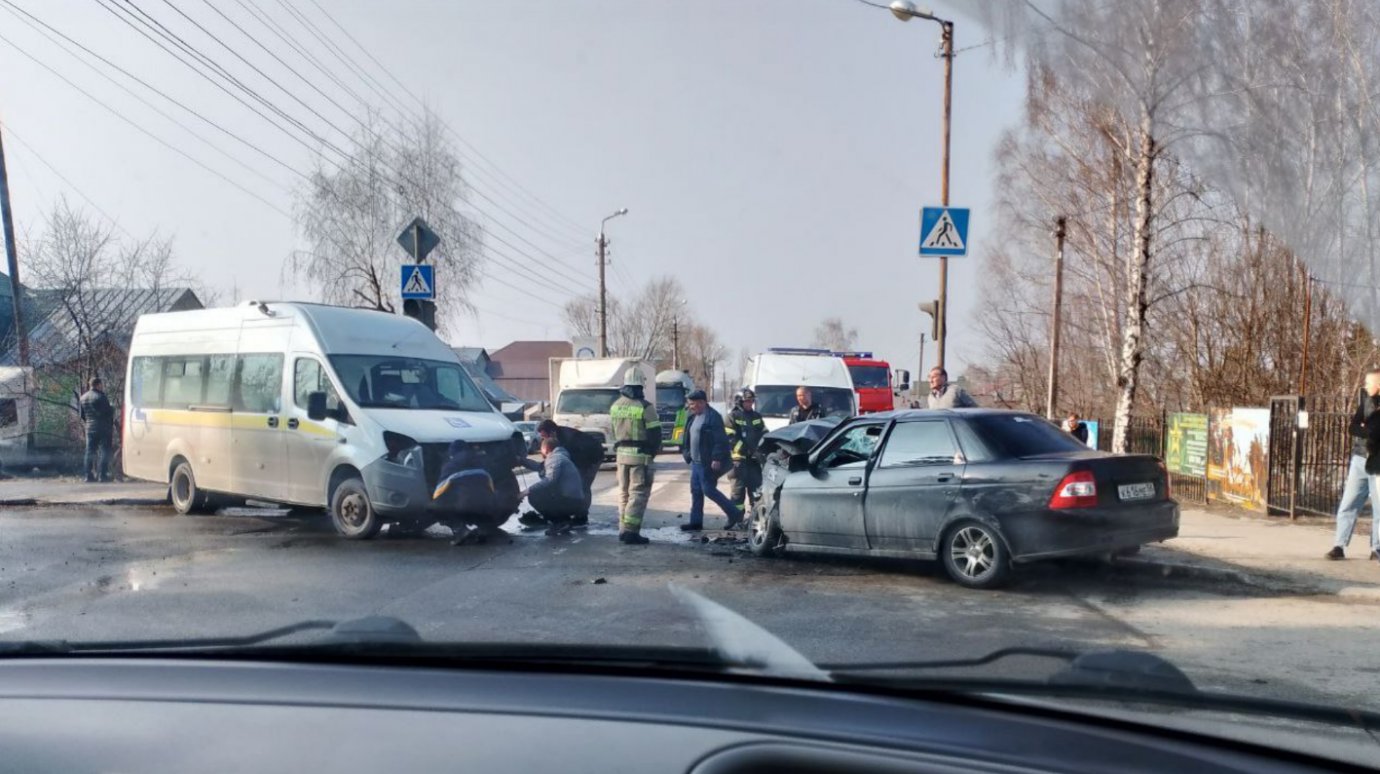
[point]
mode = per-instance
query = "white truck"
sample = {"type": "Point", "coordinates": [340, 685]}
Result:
{"type": "Point", "coordinates": [775, 375]}
{"type": "Point", "coordinates": [582, 390]}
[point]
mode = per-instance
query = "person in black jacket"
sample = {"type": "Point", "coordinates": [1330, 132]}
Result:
{"type": "Point", "coordinates": [1076, 427]}
{"type": "Point", "coordinates": [1362, 470]}
{"type": "Point", "coordinates": [706, 449]}
{"type": "Point", "coordinates": [99, 418]}
{"type": "Point", "coordinates": [805, 408]}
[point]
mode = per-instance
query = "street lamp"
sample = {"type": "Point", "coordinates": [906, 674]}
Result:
{"type": "Point", "coordinates": [905, 11]}
{"type": "Point", "coordinates": [603, 288]}
{"type": "Point", "coordinates": [675, 333]}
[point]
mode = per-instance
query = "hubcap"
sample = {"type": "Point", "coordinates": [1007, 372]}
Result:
{"type": "Point", "coordinates": [182, 488]}
{"type": "Point", "coordinates": [354, 510]}
{"type": "Point", "coordinates": [973, 551]}
{"type": "Point", "coordinates": [757, 531]}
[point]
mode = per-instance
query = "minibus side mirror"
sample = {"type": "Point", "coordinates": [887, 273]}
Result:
{"type": "Point", "coordinates": [316, 406]}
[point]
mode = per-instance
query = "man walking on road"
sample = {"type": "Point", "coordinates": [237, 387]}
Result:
{"type": "Point", "coordinates": [805, 407]}
{"type": "Point", "coordinates": [745, 428]}
{"type": "Point", "coordinates": [944, 394]}
{"type": "Point", "coordinates": [706, 449]}
{"type": "Point", "coordinates": [1359, 483]}
{"type": "Point", "coordinates": [99, 418]}
{"type": "Point", "coordinates": [636, 440]}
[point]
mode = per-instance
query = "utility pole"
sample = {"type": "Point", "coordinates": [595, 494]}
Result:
{"type": "Point", "coordinates": [603, 287]}
{"type": "Point", "coordinates": [1052, 400]}
{"type": "Point", "coordinates": [675, 343]}
{"type": "Point", "coordinates": [603, 298]}
{"type": "Point", "coordinates": [947, 52]}
{"type": "Point", "coordinates": [12, 260]}
{"type": "Point", "coordinates": [1307, 321]}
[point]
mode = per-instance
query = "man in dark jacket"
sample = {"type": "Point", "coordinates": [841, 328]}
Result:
{"type": "Point", "coordinates": [1360, 482]}
{"type": "Point", "coordinates": [1076, 427]}
{"type": "Point", "coordinates": [805, 408]}
{"type": "Point", "coordinates": [706, 449]}
{"type": "Point", "coordinates": [99, 418]}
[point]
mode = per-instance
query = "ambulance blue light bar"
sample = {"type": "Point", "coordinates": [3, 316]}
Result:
{"type": "Point", "coordinates": [799, 351]}
{"type": "Point", "coordinates": [859, 355]}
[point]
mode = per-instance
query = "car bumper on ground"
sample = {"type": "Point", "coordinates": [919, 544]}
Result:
{"type": "Point", "coordinates": [1049, 534]}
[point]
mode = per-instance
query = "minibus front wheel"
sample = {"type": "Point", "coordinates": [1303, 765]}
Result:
{"type": "Point", "coordinates": [182, 489]}
{"type": "Point", "coordinates": [351, 512]}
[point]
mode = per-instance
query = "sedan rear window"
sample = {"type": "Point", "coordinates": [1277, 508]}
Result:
{"type": "Point", "coordinates": [1022, 435]}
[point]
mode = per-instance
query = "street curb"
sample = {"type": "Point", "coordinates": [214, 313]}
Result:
{"type": "Point", "coordinates": [125, 501]}
{"type": "Point", "coordinates": [1258, 580]}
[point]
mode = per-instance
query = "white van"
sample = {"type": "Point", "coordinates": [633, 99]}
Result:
{"type": "Point", "coordinates": [775, 374]}
{"type": "Point", "coordinates": [351, 410]}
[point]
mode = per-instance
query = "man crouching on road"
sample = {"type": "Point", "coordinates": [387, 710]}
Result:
{"type": "Point", "coordinates": [1360, 483]}
{"type": "Point", "coordinates": [560, 494]}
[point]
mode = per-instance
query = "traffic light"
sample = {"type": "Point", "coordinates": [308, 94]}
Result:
{"type": "Point", "coordinates": [932, 309]}
{"type": "Point", "coordinates": [424, 311]}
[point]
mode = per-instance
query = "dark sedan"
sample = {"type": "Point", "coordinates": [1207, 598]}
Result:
{"type": "Point", "coordinates": [978, 489]}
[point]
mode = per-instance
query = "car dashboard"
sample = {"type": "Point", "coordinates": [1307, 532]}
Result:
{"type": "Point", "coordinates": [180, 714]}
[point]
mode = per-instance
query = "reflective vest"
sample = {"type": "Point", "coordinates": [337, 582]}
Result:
{"type": "Point", "coordinates": [745, 430]}
{"type": "Point", "coordinates": [636, 431]}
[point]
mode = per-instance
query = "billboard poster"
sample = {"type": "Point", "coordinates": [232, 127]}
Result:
{"type": "Point", "coordinates": [1093, 429]}
{"type": "Point", "coordinates": [1238, 461]}
{"type": "Point", "coordinates": [1186, 444]}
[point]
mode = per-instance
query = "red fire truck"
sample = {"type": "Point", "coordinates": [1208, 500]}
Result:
{"type": "Point", "coordinates": [871, 381]}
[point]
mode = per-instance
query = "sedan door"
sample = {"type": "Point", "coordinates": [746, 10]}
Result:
{"type": "Point", "coordinates": [823, 505]}
{"type": "Point", "coordinates": [913, 486]}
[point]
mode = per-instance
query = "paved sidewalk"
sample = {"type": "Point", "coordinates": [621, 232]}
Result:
{"type": "Point", "coordinates": [74, 491]}
{"type": "Point", "coordinates": [1271, 552]}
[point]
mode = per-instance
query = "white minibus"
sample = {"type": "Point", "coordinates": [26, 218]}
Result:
{"type": "Point", "coordinates": [351, 410]}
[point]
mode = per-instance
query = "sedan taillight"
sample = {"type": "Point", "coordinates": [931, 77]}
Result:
{"type": "Point", "coordinates": [1077, 490]}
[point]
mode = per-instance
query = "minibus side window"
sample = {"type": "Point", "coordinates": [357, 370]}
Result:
{"type": "Point", "coordinates": [259, 386]}
{"type": "Point", "coordinates": [182, 381]}
{"type": "Point", "coordinates": [146, 384]}
{"type": "Point", "coordinates": [220, 377]}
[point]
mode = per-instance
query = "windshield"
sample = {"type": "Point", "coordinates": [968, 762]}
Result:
{"type": "Point", "coordinates": [870, 376]}
{"type": "Point", "coordinates": [774, 401]}
{"type": "Point", "coordinates": [526, 427]}
{"type": "Point", "coordinates": [379, 381]}
{"type": "Point", "coordinates": [586, 401]}
{"type": "Point", "coordinates": [670, 396]}
{"type": "Point", "coordinates": [1158, 217]}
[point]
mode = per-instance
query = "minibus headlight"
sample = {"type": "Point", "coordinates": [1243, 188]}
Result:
{"type": "Point", "coordinates": [402, 450]}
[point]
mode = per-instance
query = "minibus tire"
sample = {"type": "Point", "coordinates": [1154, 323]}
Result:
{"type": "Point", "coordinates": [193, 500]}
{"type": "Point", "coordinates": [352, 514]}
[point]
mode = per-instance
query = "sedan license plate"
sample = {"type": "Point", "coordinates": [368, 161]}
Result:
{"type": "Point", "coordinates": [1136, 491]}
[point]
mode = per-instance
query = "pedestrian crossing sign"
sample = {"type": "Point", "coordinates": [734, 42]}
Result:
{"type": "Point", "coordinates": [944, 231]}
{"type": "Point", "coordinates": [418, 281]}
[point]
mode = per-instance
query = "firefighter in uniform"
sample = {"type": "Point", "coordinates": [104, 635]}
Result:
{"type": "Point", "coordinates": [636, 440]}
{"type": "Point", "coordinates": [745, 430]}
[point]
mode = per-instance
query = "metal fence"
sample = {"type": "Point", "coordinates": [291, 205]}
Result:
{"type": "Point", "coordinates": [1309, 451]}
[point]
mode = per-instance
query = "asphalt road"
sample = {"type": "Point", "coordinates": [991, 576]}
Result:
{"type": "Point", "coordinates": [126, 572]}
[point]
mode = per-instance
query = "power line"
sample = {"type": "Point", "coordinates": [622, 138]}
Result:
{"type": "Point", "coordinates": [576, 228]}
{"type": "Point", "coordinates": [150, 134]}
{"type": "Point", "coordinates": [75, 188]}
{"type": "Point", "coordinates": [43, 28]}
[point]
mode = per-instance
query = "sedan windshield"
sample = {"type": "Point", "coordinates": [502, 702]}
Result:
{"type": "Point", "coordinates": [381, 381]}
{"type": "Point", "coordinates": [777, 401]}
{"type": "Point", "coordinates": [1023, 435]}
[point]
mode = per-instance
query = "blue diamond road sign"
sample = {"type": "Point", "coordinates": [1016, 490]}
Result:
{"type": "Point", "coordinates": [944, 231]}
{"type": "Point", "coordinates": [419, 281]}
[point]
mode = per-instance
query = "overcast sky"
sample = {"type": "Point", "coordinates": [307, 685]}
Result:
{"type": "Point", "coordinates": [773, 154]}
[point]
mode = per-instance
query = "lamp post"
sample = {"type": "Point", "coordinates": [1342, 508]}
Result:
{"type": "Point", "coordinates": [905, 11]}
{"type": "Point", "coordinates": [603, 288]}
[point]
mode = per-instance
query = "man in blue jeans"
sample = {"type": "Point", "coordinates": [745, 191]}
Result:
{"type": "Point", "coordinates": [1359, 483]}
{"type": "Point", "coordinates": [706, 449]}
